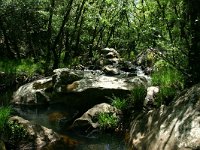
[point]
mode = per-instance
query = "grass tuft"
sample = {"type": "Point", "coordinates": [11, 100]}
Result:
{"type": "Point", "coordinates": [137, 97]}
{"type": "Point", "coordinates": [118, 102]}
{"type": "Point", "coordinates": [107, 121]}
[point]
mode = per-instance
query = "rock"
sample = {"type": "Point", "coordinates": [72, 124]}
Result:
{"type": "Point", "coordinates": [109, 56]}
{"type": "Point", "coordinates": [2, 145]}
{"type": "Point", "coordinates": [112, 61]}
{"type": "Point", "coordinates": [71, 143]}
{"type": "Point", "coordinates": [33, 93]}
{"type": "Point", "coordinates": [146, 59]}
{"type": "Point", "coordinates": [64, 76]}
{"type": "Point", "coordinates": [39, 137]}
{"type": "Point", "coordinates": [76, 88]}
{"type": "Point", "coordinates": [149, 101]}
{"type": "Point", "coordinates": [110, 70]}
{"type": "Point", "coordinates": [128, 66]}
{"type": "Point", "coordinates": [56, 116]}
{"type": "Point", "coordinates": [89, 118]}
{"type": "Point", "coordinates": [173, 127]}
{"type": "Point", "coordinates": [110, 53]}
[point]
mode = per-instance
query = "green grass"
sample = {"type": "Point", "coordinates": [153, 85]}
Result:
{"type": "Point", "coordinates": [8, 66]}
{"type": "Point", "coordinates": [11, 132]}
{"type": "Point", "coordinates": [169, 80]}
{"type": "Point", "coordinates": [137, 97]}
{"type": "Point", "coordinates": [118, 102]}
{"type": "Point", "coordinates": [4, 116]}
{"type": "Point", "coordinates": [27, 66]}
{"type": "Point", "coordinates": [107, 121]}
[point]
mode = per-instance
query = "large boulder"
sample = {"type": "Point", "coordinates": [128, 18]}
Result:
{"type": "Point", "coordinates": [39, 137]}
{"type": "Point", "coordinates": [76, 87]}
{"type": "Point", "coordinates": [89, 118]}
{"type": "Point", "coordinates": [2, 145]}
{"type": "Point", "coordinates": [33, 93]}
{"type": "Point", "coordinates": [110, 56]}
{"type": "Point", "coordinates": [174, 127]}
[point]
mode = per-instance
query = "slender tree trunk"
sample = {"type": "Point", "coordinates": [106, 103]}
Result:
{"type": "Point", "coordinates": [112, 30]}
{"type": "Point", "coordinates": [194, 51]}
{"type": "Point", "coordinates": [49, 32]}
{"type": "Point", "coordinates": [100, 39]}
{"type": "Point", "coordinates": [77, 46]}
{"type": "Point", "coordinates": [79, 14]}
{"type": "Point", "coordinates": [16, 48]}
{"type": "Point", "coordinates": [56, 41]}
{"type": "Point", "coordinates": [67, 47]}
{"type": "Point", "coordinates": [9, 52]}
{"type": "Point", "coordinates": [92, 41]}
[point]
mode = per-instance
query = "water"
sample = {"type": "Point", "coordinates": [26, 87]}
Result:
{"type": "Point", "coordinates": [59, 117]}
{"type": "Point", "coordinates": [140, 73]}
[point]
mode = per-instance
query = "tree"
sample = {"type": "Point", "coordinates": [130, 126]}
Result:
{"type": "Point", "coordinates": [194, 49]}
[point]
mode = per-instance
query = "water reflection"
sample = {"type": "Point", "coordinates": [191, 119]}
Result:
{"type": "Point", "coordinates": [55, 117]}
{"type": "Point", "coordinates": [58, 117]}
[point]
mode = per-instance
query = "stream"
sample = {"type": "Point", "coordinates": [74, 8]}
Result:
{"type": "Point", "coordinates": [55, 116]}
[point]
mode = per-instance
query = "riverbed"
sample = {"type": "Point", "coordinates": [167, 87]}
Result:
{"type": "Point", "coordinates": [59, 117]}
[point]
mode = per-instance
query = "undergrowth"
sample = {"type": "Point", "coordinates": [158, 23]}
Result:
{"type": "Point", "coordinates": [27, 66]}
{"type": "Point", "coordinates": [169, 80]}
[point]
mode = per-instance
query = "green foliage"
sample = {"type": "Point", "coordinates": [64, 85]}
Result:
{"type": "Point", "coordinates": [11, 132]}
{"type": "Point", "coordinates": [118, 102]}
{"type": "Point", "coordinates": [165, 75]}
{"type": "Point", "coordinates": [137, 97]}
{"type": "Point", "coordinates": [7, 66]}
{"type": "Point", "coordinates": [14, 133]}
{"type": "Point", "coordinates": [169, 80]}
{"type": "Point", "coordinates": [27, 66]}
{"type": "Point", "coordinates": [128, 56]}
{"type": "Point", "coordinates": [4, 116]}
{"type": "Point", "coordinates": [42, 29]}
{"type": "Point", "coordinates": [72, 62]}
{"type": "Point", "coordinates": [107, 121]}
{"type": "Point", "coordinates": [96, 55]}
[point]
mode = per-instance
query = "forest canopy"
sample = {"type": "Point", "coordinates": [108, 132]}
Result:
{"type": "Point", "coordinates": [54, 32]}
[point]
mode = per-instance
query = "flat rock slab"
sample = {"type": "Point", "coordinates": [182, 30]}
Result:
{"type": "Point", "coordinates": [77, 88]}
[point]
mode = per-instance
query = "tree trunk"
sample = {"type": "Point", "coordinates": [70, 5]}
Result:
{"type": "Point", "coordinates": [77, 46]}
{"type": "Point", "coordinates": [9, 52]}
{"type": "Point", "coordinates": [194, 51]}
{"type": "Point", "coordinates": [65, 20]}
{"type": "Point", "coordinates": [112, 30]}
{"type": "Point", "coordinates": [49, 32]}
{"type": "Point", "coordinates": [67, 47]}
{"type": "Point", "coordinates": [77, 18]}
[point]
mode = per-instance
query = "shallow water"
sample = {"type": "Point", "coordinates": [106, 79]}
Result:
{"type": "Point", "coordinates": [59, 117]}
